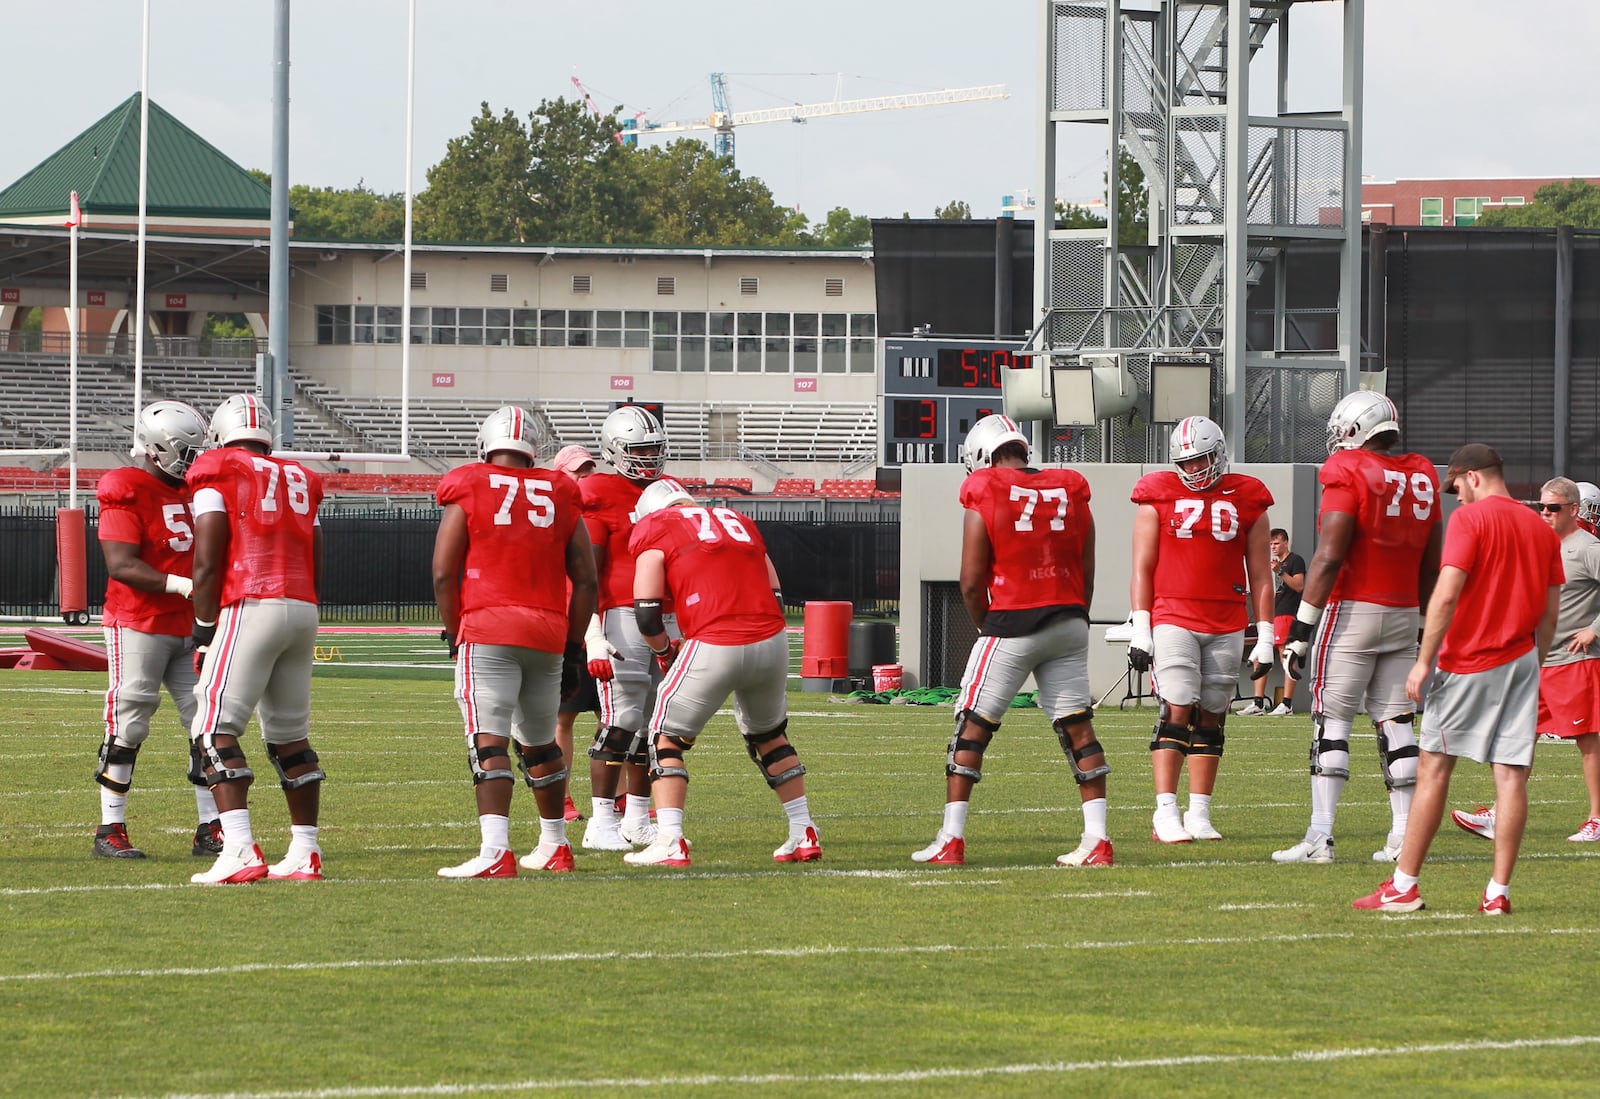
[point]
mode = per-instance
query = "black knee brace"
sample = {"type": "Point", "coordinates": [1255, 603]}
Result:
{"type": "Point", "coordinates": [111, 752]}
{"type": "Point", "coordinates": [1397, 773]}
{"type": "Point", "coordinates": [1170, 738]}
{"type": "Point", "coordinates": [1321, 745]}
{"type": "Point", "coordinates": [1206, 741]}
{"type": "Point", "coordinates": [959, 743]}
{"type": "Point", "coordinates": [531, 756]}
{"type": "Point", "coordinates": [298, 759]}
{"type": "Point", "coordinates": [612, 744]}
{"type": "Point", "coordinates": [1063, 727]}
{"type": "Point", "coordinates": [217, 760]}
{"type": "Point", "coordinates": [657, 753]}
{"type": "Point", "coordinates": [477, 754]}
{"type": "Point", "coordinates": [197, 765]}
{"type": "Point", "coordinates": [754, 744]}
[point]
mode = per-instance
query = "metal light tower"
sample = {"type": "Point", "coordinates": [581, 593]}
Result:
{"type": "Point", "coordinates": [1230, 192]}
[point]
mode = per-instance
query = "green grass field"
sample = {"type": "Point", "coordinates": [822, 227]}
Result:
{"type": "Point", "coordinates": [1203, 970]}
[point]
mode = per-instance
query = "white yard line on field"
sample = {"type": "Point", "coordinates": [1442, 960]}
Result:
{"type": "Point", "coordinates": [1424, 929]}
{"type": "Point", "coordinates": [974, 1072]}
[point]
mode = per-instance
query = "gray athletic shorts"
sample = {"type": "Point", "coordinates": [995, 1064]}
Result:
{"type": "Point", "coordinates": [630, 695]}
{"type": "Point", "coordinates": [1056, 656]}
{"type": "Point", "coordinates": [1488, 717]}
{"type": "Point", "coordinates": [509, 691]}
{"type": "Point", "coordinates": [1191, 667]}
{"type": "Point", "coordinates": [700, 680]}
{"type": "Point", "coordinates": [1360, 657]}
{"type": "Point", "coordinates": [260, 661]}
{"type": "Point", "coordinates": [139, 664]}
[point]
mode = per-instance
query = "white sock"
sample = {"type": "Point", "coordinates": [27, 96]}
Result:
{"type": "Point", "coordinates": [669, 824]}
{"type": "Point", "coordinates": [496, 830]}
{"type": "Point", "coordinates": [799, 814]}
{"type": "Point", "coordinates": [1400, 809]}
{"type": "Point", "coordinates": [638, 809]}
{"type": "Point", "coordinates": [552, 833]}
{"type": "Point", "coordinates": [1094, 819]}
{"type": "Point", "coordinates": [955, 818]}
{"type": "Point", "coordinates": [205, 804]}
{"type": "Point", "coordinates": [1495, 889]}
{"type": "Point", "coordinates": [113, 807]}
{"type": "Point", "coordinates": [603, 811]}
{"type": "Point", "coordinates": [1325, 791]}
{"type": "Point", "coordinates": [303, 838]}
{"type": "Point", "coordinates": [1166, 801]}
{"type": "Point", "coordinates": [1403, 881]}
{"type": "Point", "coordinates": [1200, 805]}
{"type": "Point", "coordinates": [236, 831]}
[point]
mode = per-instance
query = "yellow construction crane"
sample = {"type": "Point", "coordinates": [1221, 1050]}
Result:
{"type": "Point", "coordinates": [722, 121]}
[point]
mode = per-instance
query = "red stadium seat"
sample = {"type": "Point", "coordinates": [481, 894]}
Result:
{"type": "Point", "coordinates": [795, 486]}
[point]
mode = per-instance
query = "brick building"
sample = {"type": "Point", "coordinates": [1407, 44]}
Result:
{"type": "Point", "coordinates": [1446, 201]}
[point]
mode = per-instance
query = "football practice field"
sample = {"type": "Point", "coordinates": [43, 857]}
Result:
{"type": "Point", "coordinates": [1200, 970]}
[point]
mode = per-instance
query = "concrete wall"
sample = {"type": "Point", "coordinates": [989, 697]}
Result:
{"type": "Point", "coordinates": [930, 540]}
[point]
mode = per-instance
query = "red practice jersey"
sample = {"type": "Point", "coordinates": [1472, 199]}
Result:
{"type": "Point", "coordinates": [1512, 558]}
{"type": "Point", "coordinates": [1394, 499]}
{"type": "Point", "coordinates": [514, 580]}
{"type": "Point", "coordinates": [1200, 572]}
{"type": "Point", "coordinates": [608, 503]}
{"type": "Point", "coordinates": [1037, 522]}
{"type": "Point", "coordinates": [141, 509]}
{"type": "Point", "coordinates": [272, 512]}
{"type": "Point", "coordinates": [716, 570]}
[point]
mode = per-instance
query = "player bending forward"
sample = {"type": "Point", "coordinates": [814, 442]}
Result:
{"type": "Point", "coordinates": [716, 566]}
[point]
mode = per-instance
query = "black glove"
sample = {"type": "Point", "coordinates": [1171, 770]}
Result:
{"type": "Point", "coordinates": [573, 664]}
{"type": "Point", "coordinates": [1295, 649]}
{"type": "Point", "coordinates": [1138, 659]}
{"type": "Point", "coordinates": [449, 640]}
{"type": "Point", "coordinates": [203, 635]}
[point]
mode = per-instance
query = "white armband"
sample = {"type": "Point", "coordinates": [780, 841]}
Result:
{"type": "Point", "coordinates": [1141, 621]}
{"type": "Point", "coordinates": [594, 631]}
{"type": "Point", "coordinates": [179, 585]}
{"type": "Point", "coordinates": [1308, 613]}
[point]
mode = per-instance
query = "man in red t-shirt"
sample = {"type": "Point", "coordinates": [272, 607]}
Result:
{"type": "Point", "coordinates": [714, 562]}
{"type": "Point", "coordinates": [1490, 620]}
{"type": "Point", "coordinates": [1027, 578]}
{"type": "Point", "coordinates": [147, 536]}
{"type": "Point", "coordinates": [257, 561]}
{"type": "Point", "coordinates": [1201, 536]}
{"type": "Point", "coordinates": [633, 441]}
{"type": "Point", "coordinates": [1376, 561]}
{"type": "Point", "coordinates": [513, 622]}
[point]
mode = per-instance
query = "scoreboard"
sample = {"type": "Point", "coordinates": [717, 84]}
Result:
{"type": "Point", "coordinates": [931, 392]}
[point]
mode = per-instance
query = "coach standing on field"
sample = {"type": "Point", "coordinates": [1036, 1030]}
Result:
{"type": "Point", "coordinates": [1490, 620]}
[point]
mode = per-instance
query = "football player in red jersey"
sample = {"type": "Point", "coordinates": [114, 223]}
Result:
{"type": "Point", "coordinates": [633, 441]}
{"type": "Point", "coordinates": [147, 536]}
{"type": "Point", "coordinates": [517, 628]}
{"type": "Point", "coordinates": [1027, 578]}
{"type": "Point", "coordinates": [257, 562]}
{"type": "Point", "coordinates": [1376, 562]}
{"type": "Point", "coordinates": [576, 462]}
{"type": "Point", "coordinates": [1589, 507]}
{"type": "Point", "coordinates": [715, 563]}
{"type": "Point", "coordinates": [1200, 537]}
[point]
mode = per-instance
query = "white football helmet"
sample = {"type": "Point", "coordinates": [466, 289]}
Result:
{"type": "Point", "coordinates": [634, 442]}
{"type": "Point", "coordinates": [242, 418]}
{"type": "Point", "coordinates": [989, 435]}
{"type": "Point", "coordinates": [507, 428]}
{"type": "Point", "coordinates": [1358, 417]}
{"type": "Point", "coordinates": [171, 435]}
{"type": "Point", "coordinates": [1589, 501]}
{"type": "Point", "coordinates": [664, 493]}
{"type": "Point", "coordinates": [1198, 437]}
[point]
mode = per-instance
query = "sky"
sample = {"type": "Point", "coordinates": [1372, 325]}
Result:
{"type": "Point", "coordinates": [1458, 88]}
